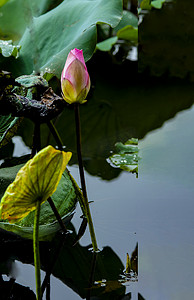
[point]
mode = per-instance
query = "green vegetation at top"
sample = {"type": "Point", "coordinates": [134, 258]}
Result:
{"type": "Point", "coordinates": [46, 37]}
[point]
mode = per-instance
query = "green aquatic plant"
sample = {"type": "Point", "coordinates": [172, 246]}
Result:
{"type": "Point", "coordinates": [125, 156]}
{"type": "Point", "coordinates": [75, 80]}
{"type": "Point", "coordinates": [35, 182]}
{"type": "Point", "coordinates": [75, 85]}
{"type": "Point", "coordinates": [33, 185]}
{"type": "Point", "coordinates": [149, 4]}
{"type": "Point", "coordinates": [28, 47]}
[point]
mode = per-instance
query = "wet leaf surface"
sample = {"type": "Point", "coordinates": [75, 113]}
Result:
{"type": "Point", "coordinates": [126, 156]}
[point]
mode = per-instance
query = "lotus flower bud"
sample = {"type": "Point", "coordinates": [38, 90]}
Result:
{"type": "Point", "coordinates": [75, 80]}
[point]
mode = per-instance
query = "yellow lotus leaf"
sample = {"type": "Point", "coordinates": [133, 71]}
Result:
{"type": "Point", "coordinates": [36, 181]}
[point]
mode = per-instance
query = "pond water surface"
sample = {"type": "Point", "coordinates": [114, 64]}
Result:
{"type": "Point", "coordinates": [154, 209]}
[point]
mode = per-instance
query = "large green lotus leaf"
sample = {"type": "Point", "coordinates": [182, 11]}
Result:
{"type": "Point", "coordinates": [16, 15]}
{"type": "Point", "coordinates": [8, 127]}
{"type": "Point", "coordinates": [72, 24]}
{"type": "Point", "coordinates": [128, 18]}
{"type": "Point", "coordinates": [2, 2]}
{"type": "Point", "coordinates": [65, 199]}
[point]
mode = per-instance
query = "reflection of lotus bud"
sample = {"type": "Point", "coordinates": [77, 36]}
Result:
{"type": "Point", "coordinates": [75, 80]}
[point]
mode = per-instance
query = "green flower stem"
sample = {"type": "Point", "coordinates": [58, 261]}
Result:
{"type": "Point", "coordinates": [55, 135]}
{"type": "Point", "coordinates": [36, 250]}
{"type": "Point", "coordinates": [82, 178]}
{"type": "Point", "coordinates": [59, 142]}
{"type": "Point", "coordinates": [57, 215]}
{"type": "Point", "coordinates": [36, 139]}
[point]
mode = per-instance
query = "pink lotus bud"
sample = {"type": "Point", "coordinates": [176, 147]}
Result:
{"type": "Point", "coordinates": [75, 80]}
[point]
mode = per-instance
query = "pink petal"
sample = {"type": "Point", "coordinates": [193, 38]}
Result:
{"type": "Point", "coordinates": [70, 58]}
{"type": "Point", "coordinates": [77, 75]}
{"type": "Point", "coordinates": [79, 55]}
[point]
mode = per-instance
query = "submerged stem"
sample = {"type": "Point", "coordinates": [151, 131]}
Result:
{"type": "Point", "coordinates": [36, 250]}
{"type": "Point", "coordinates": [82, 178]}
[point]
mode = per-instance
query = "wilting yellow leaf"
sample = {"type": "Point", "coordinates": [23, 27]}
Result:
{"type": "Point", "coordinates": [36, 181]}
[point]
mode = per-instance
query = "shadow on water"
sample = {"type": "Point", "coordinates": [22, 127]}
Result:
{"type": "Point", "coordinates": [87, 274]}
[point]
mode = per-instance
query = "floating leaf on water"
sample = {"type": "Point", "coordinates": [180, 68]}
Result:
{"type": "Point", "coordinates": [36, 181]}
{"type": "Point", "coordinates": [126, 156]}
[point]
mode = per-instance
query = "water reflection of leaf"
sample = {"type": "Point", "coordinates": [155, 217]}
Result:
{"type": "Point", "coordinates": [140, 297]}
{"type": "Point", "coordinates": [73, 265]}
{"type": "Point", "coordinates": [12, 290]}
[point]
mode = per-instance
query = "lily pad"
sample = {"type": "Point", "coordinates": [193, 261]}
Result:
{"type": "Point", "coordinates": [65, 199]}
{"type": "Point", "coordinates": [126, 156]}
